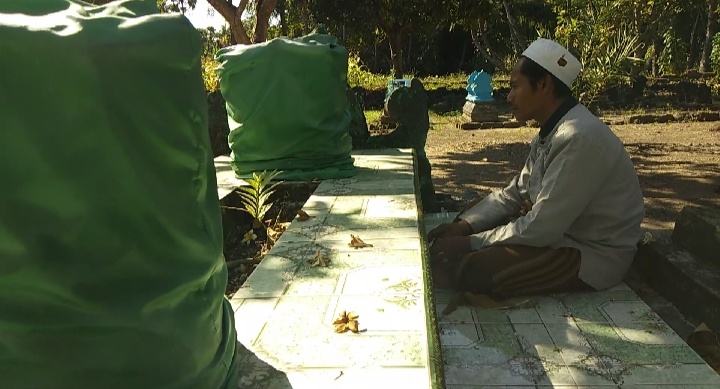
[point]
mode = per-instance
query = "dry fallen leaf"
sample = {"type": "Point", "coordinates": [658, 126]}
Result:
{"type": "Point", "coordinates": [357, 243]}
{"type": "Point", "coordinates": [303, 216]}
{"type": "Point", "coordinates": [347, 321]}
{"type": "Point", "coordinates": [319, 260]}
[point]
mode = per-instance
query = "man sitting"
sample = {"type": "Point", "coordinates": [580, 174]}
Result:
{"type": "Point", "coordinates": [570, 221]}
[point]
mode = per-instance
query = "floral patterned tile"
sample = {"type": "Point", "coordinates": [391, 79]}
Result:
{"type": "Point", "coordinates": [294, 270]}
{"type": "Point", "coordinates": [564, 355]}
{"type": "Point", "coordinates": [351, 378]}
{"type": "Point", "coordinates": [306, 231]}
{"type": "Point", "coordinates": [349, 205]}
{"type": "Point", "coordinates": [485, 376]}
{"type": "Point", "coordinates": [366, 188]}
{"type": "Point", "coordinates": [269, 279]}
{"type": "Point", "coordinates": [299, 334]}
{"type": "Point", "coordinates": [385, 162]}
{"type": "Point", "coordinates": [254, 372]}
{"type": "Point", "coordinates": [668, 386]}
{"type": "Point", "coordinates": [360, 222]}
{"type": "Point", "coordinates": [357, 279]}
{"type": "Point", "coordinates": [594, 306]}
{"type": "Point", "coordinates": [251, 316]}
{"type": "Point", "coordinates": [225, 176]}
{"type": "Point", "coordinates": [390, 172]}
{"type": "Point", "coordinates": [529, 386]}
{"type": "Point", "coordinates": [685, 374]}
{"type": "Point", "coordinates": [636, 347]}
{"type": "Point", "coordinates": [397, 206]}
{"type": "Point", "coordinates": [391, 240]}
{"type": "Point", "coordinates": [319, 203]}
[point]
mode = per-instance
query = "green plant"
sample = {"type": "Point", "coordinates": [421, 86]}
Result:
{"type": "Point", "coordinates": [255, 196]}
{"type": "Point", "coordinates": [359, 75]}
{"type": "Point", "coordinates": [210, 78]}
{"type": "Point", "coordinates": [715, 54]}
{"type": "Point", "coordinates": [605, 64]}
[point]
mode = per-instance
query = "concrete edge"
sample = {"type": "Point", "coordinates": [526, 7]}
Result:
{"type": "Point", "coordinates": [693, 286]}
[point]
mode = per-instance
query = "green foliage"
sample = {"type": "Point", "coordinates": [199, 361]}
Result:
{"type": "Point", "coordinates": [373, 115]}
{"type": "Point", "coordinates": [715, 55]}
{"type": "Point", "coordinates": [450, 81]}
{"type": "Point", "coordinates": [255, 197]}
{"type": "Point", "coordinates": [181, 6]}
{"type": "Point", "coordinates": [210, 78]}
{"type": "Point", "coordinates": [604, 47]}
{"type": "Point", "coordinates": [608, 66]}
{"type": "Point", "coordinates": [359, 75]}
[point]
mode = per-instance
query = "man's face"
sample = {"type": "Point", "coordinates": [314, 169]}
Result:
{"type": "Point", "coordinates": [523, 98]}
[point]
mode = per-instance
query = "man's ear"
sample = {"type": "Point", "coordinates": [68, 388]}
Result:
{"type": "Point", "coordinates": [546, 84]}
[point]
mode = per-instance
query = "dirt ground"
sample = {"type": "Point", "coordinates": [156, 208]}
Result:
{"type": "Point", "coordinates": [678, 163]}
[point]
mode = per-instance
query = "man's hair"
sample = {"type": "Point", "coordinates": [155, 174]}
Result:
{"type": "Point", "coordinates": [535, 72]}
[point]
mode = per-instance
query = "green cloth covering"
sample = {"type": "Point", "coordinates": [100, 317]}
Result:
{"type": "Point", "coordinates": [111, 266]}
{"type": "Point", "coordinates": [287, 107]}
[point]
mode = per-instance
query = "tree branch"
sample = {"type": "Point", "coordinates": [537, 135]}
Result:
{"type": "Point", "coordinates": [483, 49]}
{"type": "Point", "coordinates": [232, 15]}
{"type": "Point", "coordinates": [518, 41]}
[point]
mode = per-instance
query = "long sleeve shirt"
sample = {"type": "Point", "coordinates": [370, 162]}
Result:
{"type": "Point", "coordinates": [585, 194]}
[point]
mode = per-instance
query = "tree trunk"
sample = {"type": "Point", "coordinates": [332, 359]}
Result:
{"type": "Point", "coordinates": [263, 10]}
{"type": "Point", "coordinates": [658, 47]}
{"type": "Point", "coordinates": [691, 45]}
{"type": "Point", "coordinates": [518, 40]}
{"type": "Point", "coordinates": [281, 6]}
{"type": "Point", "coordinates": [232, 15]}
{"type": "Point", "coordinates": [484, 49]}
{"type": "Point", "coordinates": [712, 26]}
{"type": "Point", "coordinates": [395, 38]}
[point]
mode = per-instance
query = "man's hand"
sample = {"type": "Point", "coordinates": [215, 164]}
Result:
{"type": "Point", "coordinates": [459, 228]}
{"type": "Point", "coordinates": [449, 249]}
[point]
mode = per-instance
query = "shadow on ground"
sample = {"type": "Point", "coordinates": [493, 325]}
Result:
{"type": "Point", "coordinates": [669, 180]}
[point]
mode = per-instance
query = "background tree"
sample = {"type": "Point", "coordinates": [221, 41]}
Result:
{"type": "Point", "coordinates": [260, 11]}
{"type": "Point", "coordinates": [491, 22]}
{"type": "Point", "coordinates": [710, 31]}
{"type": "Point", "coordinates": [395, 19]}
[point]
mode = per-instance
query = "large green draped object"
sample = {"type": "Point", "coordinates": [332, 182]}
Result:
{"type": "Point", "coordinates": [288, 108]}
{"type": "Point", "coordinates": [111, 265]}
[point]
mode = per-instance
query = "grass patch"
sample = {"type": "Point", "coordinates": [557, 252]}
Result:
{"type": "Point", "coordinates": [437, 121]}
{"type": "Point", "coordinates": [451, 81]}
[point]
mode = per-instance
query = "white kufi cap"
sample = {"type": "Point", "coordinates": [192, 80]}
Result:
{"type": "Point", "coordinates": [554, 58]}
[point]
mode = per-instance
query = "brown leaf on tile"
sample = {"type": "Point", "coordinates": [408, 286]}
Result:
{"type": "Point", "coordinates": [357, 243]}
{"type": "Point", "coordinates": [353, 326]}
{"type": "Point", "coordinates": [341, 319]}
{"type": "Point", "coordinates": [319, 260]}
{"type": "Point", "coordinates": [303, 216]}
{"type": "Point", "coordinates": [347, 321]}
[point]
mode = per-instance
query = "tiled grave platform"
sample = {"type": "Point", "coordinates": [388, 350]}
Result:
{"type": "Point", "coordinates": [226, 180]}
{"type": "Point", "coordinates": [601, 340]}
{"type": "Point", "coordinates": [285, 310]}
